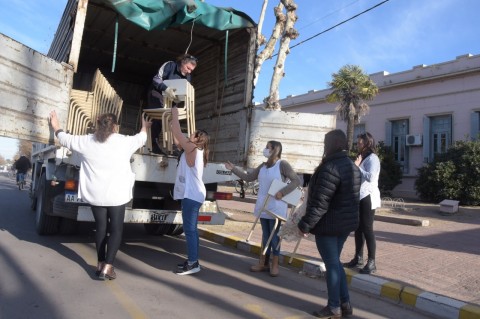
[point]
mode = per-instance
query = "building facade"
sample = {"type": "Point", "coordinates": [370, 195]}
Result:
{"type": "Point", "coordinates": [418, 112]}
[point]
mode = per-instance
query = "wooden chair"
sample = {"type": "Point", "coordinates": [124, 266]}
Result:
{"type": "Point", "coordinates": [186, 111]}
{"type": "Point", "coordinates": [292, 199]}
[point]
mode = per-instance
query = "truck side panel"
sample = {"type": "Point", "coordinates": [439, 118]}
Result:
{"type": "Point", "coordinates": [301, 135]}
{"type": "Point", "coordinates": [31, 86]}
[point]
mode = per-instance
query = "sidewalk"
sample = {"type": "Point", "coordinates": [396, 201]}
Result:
{"type": "Point", "coordinates": [434, 268]}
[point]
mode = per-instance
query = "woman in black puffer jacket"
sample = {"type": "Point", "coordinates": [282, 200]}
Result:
{"type": "Point", "coordinates": [331, 214]}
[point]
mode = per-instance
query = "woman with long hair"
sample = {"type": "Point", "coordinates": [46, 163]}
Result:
{"type": "Point", "coordinates": [331, 214]}
{"type": "Point", "coordinates": [369, 165]}
{"type": "Point", "coordinates": [106, 180]}
{"type": "Point", "coordinates": [189, 187]}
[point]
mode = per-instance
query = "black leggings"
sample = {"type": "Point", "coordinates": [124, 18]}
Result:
{"type": "Point", "coordinates": [364, 231]}
{"type": "Point", "coordinates": [108, 220]}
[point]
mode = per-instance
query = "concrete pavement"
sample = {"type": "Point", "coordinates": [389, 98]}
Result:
{"type": "Point", "coordinates": [425, 260]}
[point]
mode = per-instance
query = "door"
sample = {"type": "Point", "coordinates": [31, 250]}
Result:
{"type": "Point", "coordinates": [31, 86]}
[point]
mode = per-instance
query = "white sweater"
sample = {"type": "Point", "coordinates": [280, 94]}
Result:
{"type": "Point", "coordinates": [106, 177]}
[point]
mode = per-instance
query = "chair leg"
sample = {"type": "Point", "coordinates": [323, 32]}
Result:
{"type": "Point", "coordinates": [294, 251]}
{"type": "Point", "coordinates": [271, 236]}
{"type": "Point", "coordinates": [253, 227]}
{"type": "Point", "coordinates": [256, 219]}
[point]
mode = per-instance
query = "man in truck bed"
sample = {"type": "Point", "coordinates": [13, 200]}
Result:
{"type": "Point", "coordinates": [171, 70]}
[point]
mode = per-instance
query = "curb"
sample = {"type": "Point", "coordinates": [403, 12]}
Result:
{"type": "Point", "coordinates": [433, 304]}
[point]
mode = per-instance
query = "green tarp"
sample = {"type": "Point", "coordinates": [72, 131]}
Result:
{"type": "Point", "coordinates": [161, 14]}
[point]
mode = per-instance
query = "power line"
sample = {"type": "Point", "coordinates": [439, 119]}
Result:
{"type": "Point", "coordinates": [344, 21]}
{"type": "Point", "coordinates": [328, 15]}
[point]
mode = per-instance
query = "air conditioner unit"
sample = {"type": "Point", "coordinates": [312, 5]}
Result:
{"type": "Point", "coordinates": [413, 139]}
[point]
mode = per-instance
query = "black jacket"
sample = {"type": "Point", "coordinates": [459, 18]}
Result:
{"type": "Point", "coordinates": [333, 197]}
{"type": "Point", "coordinates": [22, 165]}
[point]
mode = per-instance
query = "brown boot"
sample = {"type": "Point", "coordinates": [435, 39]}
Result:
{"type": "Point", "coordinates": [263, 264]}
{"type": "Point", "coordinates": [274, 267]}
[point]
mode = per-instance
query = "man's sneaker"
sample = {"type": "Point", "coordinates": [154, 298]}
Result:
{"type": "Point", "coordinates": [188, 270]}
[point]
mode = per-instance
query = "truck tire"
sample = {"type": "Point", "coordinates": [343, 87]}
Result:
{"type": "Point", "coordinates": [175, 230]}
{"type": "Point", "coordinates": [157, 229]}
{"type": "Point", "coordinates": [44, 224]}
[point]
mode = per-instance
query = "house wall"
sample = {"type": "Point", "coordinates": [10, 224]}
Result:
{"type": "Point", "coordinates": [416, 95]}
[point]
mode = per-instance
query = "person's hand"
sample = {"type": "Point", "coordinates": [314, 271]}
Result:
{"type": "Point", "coordinates": [229, 165]}
{"type": "Point", "coordinates": [54, 121]}
{"type": "Point", "coordinates": [170, 93]}
{"type": "Point", "coordinates": [358, 160]}
{"type": "Point", "coordinates": [301, 233]}
{"type": "Point", "coordinates": [146, 121]}
{"type": "Point", "coordinates": [278, 195]}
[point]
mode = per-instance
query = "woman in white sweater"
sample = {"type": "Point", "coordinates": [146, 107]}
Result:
{"type": "Point", "coordinates": [106, 180]}
{"type": "Point", "coordinates": [370, 200]}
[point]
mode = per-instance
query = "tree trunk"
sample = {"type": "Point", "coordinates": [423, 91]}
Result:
{"type": "Point", "coordinates": [270, 46]}
{"type": "Point", "coordinates": [271, 102]}
{"type": "Point", "coordinates": [260, 37]}
{"type": "Point", "coordinates": [350, 127]}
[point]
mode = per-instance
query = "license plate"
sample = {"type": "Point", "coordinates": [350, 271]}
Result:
{"type": "Point", "coordinates": [71, 197]}
{"type": "Point", "coordinates": [158, 218]}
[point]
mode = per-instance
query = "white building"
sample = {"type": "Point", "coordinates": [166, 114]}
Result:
{"type": "Point", "coordinates": [419, 112]}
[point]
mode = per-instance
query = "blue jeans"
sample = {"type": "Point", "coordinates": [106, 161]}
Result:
{"type": "Point", "coordinates": [330, 248]}
{"type": "Point", "coordinates": [190, 209]}
{"type": "Point", "coordinates": [267, 229]}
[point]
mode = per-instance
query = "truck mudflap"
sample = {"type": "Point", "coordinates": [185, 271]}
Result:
{"type": "Point", "coordinates": [209, 214]}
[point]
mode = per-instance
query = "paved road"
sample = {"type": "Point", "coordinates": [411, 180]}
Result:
{"type": "Point", "coordinates": [51, 277]}
{"type": "Point", "coordinates": [441, 258]}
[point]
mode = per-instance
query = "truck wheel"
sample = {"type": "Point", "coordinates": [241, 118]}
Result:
{"type": "Point", "coordinates": [176, 230]}
{"type": "Point", "coordinates": [157, 229]}
{"type": "Point", "coordinates": [44, 224]}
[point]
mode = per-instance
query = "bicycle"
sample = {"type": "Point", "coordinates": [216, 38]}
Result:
{"type": "Point", "coordinates": [253, 186]}
{"type": "Point", "coordinates": [21, 180]}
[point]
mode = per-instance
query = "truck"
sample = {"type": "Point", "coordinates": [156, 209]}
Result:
{"type": "Point", "coordinates": [103, 57]}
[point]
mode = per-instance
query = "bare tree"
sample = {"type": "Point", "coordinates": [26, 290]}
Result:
{"type": "Point", "coordinates": [278, 28]}
{"type": "Point", "coordinates": [289, 33]}
{"type": "Point", "coordinates": [24, 148]}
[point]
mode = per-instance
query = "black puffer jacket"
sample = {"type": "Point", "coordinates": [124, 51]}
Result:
{"type": "Point", "coordinates": [333, 197]}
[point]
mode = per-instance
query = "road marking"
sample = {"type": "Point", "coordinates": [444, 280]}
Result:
{"type": "Point", "coordinates": [123, 298]}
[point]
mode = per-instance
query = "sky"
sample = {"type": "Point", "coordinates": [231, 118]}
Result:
{"type": "Point", "coordinates": [394, 37]}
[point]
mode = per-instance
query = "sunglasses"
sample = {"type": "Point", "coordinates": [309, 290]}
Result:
{"type": "Point", "coordinates": [191, 57]}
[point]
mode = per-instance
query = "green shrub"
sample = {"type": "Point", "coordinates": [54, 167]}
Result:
{"type": "Point", "coordinates": [452, 175]}
{"type": "Point", "coordinates": [391, 173]}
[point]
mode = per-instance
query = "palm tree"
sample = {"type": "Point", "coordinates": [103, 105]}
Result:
{"type": "Point", "coordinates": [352, 88]}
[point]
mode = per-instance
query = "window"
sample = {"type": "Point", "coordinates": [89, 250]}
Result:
{"type": "Point", "coordinates": [475, 125]}
{"type": "Point", "coordinates": [399, 130]}
{"type": "Point", "coordinates": [441, 134]}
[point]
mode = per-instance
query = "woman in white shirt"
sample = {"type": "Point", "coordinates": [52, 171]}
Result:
{"type": "Point", "coordinates": [106, 180]}
{"type": "Point", "coordinates": [273, 168]}
{"type": "Point", "coordinates": [189, 188]}
{"type": "Point", "coordinates": [369, 165]}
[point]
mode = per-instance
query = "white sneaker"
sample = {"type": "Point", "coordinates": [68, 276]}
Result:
{"type": "Point", "coordinates": [188, 270]}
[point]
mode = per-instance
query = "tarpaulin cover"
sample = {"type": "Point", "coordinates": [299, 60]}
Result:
{"type": "Point", "coordinates": [161, 14]}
